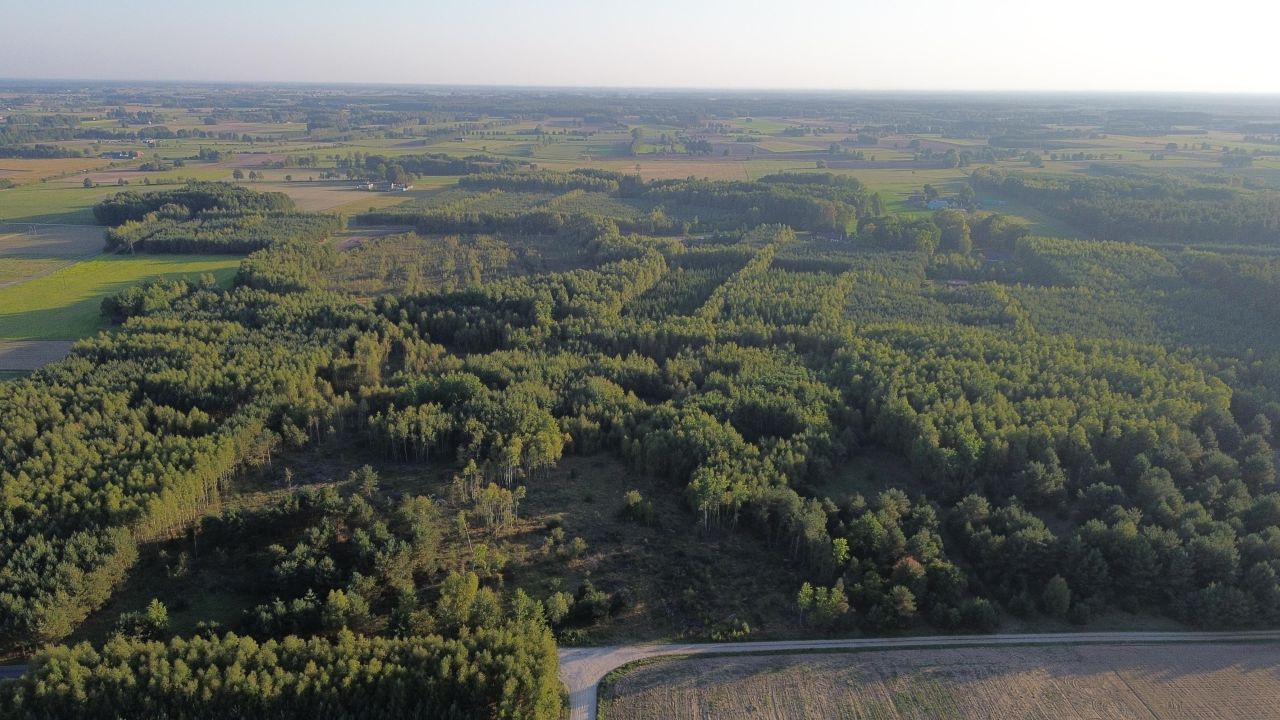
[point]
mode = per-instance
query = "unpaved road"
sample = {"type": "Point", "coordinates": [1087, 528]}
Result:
{"type": "Point", "coordinates": [582, 669]}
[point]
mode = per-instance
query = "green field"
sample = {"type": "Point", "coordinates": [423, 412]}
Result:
{"type": "Point", "coordinates": [52, 203]}
{"type": "Point", "coordinates": [64, 305]}
{"type": "Point", "coordinates": [17, 269]}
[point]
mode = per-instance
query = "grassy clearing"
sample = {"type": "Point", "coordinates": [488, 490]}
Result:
{"type": "Point", "coordinates": [1212, 681]}
{"type": "Point", "coordinates": [64, 305]}
{"type": "Point", "coordinates": [684, 582]}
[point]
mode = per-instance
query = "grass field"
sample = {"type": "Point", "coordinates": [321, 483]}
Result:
{"type": "Point", "coordinates": [64, 305]}
{"type": "Point", "coordinates": [1201, 682]}
{"type": "Point", "coordinates": [14, 270]}
{"type": "Point", "coordinates": [51, 203]}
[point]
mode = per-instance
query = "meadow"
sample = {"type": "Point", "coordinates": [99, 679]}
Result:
{"type": "Point", "coordinates": [64, 305]}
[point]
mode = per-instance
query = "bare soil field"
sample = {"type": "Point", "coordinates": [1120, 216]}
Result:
{"type": "Point", "coordinates": [43, 240]}
{"type": "Point", "coordinates": [24, 355]}
{"type": "Point", "coordinates": [1218, 681]}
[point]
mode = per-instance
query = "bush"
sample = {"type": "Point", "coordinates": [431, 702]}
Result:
{"type": "Point", "coordinates": [636, 508]}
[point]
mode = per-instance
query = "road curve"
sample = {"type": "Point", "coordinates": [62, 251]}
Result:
{"type": "Point", "coordinates": [582, 669]}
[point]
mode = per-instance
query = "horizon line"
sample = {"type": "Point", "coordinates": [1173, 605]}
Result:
{"type": "Point", "coordinates": [650, 88]}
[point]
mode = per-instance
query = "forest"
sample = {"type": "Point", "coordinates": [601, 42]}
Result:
{"type": "Point", "coordinates": [1068, 432]}
{"type": "Point", "coordinates": [1147, 206]}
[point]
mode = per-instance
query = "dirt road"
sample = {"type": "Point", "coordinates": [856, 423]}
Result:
{"type": "Point", "coordinates": [582, 669]}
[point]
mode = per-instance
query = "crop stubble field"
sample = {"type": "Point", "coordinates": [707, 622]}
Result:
{"type": "Point", "coordinates": [1230, 681]}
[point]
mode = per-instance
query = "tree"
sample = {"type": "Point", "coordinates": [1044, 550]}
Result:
{"type": "Point", "coordinates": [237, 174]}
{"type": "Point", "coordinates": [366, 480]}
{"type": "Point", "coordinates": [1057, 597]}
{"type": "Point", "coordinates": [955, 232]}
{"type": "Point", "coordinates": [88, 183]}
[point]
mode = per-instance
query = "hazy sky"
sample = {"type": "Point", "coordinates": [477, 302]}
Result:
{"type": "Point", "coordinates": [1225, 46]}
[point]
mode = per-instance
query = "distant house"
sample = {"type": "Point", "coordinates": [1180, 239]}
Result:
{"type": "Point", "coordinates": [397, 187]}
{"type": "Point", "coordinates": [938, 204]}
{"type": "Point", "coordinates": [122, 155]}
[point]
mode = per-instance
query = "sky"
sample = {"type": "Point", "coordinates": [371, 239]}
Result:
{"type": "Point", "coordinates": [1227, 46]}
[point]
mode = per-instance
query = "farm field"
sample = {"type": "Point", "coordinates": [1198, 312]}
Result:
{"type": "Point", "coordinates": [14, 270]}
{"type": "Point", "coordinates": [1200, 682]}
{"type": "Point", "coordinates": [64, 305]}
{"type": "Point", "coordinates": [23, 171]}
{"type": "Point", "coordinates": [49, 241]}
{"type": "Point", "coordinates": [52, 203]}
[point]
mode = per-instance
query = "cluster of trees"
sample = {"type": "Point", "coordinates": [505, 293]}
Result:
{"type": "Point", "coordinates": [508, 672]}
{"type": "Point", "coordinates": [208, 218]}
{"type": "Point", "coordinates": [130, 439]}
{"type": "Point", "coordinates": [1249, 280]}
{"type": "Point", "coordinates": [402, 168]}
{"type": "Point", "coordinates": [554, 182]}
{"type": "Point", "coordinates": [892, 572]}
{"type": "Point", "coordinates": [172, 229]}
{"type": "Point", "coordinates": [1146, 208]}
{"type": "Point", "coordinates": [1096, 264]}
{"type": "Point", "coordinates": [38, 151]}
{"type": "Point", "coordinates": [816, 202]}
{"type": "Point", "coordinates": [195, 198]}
